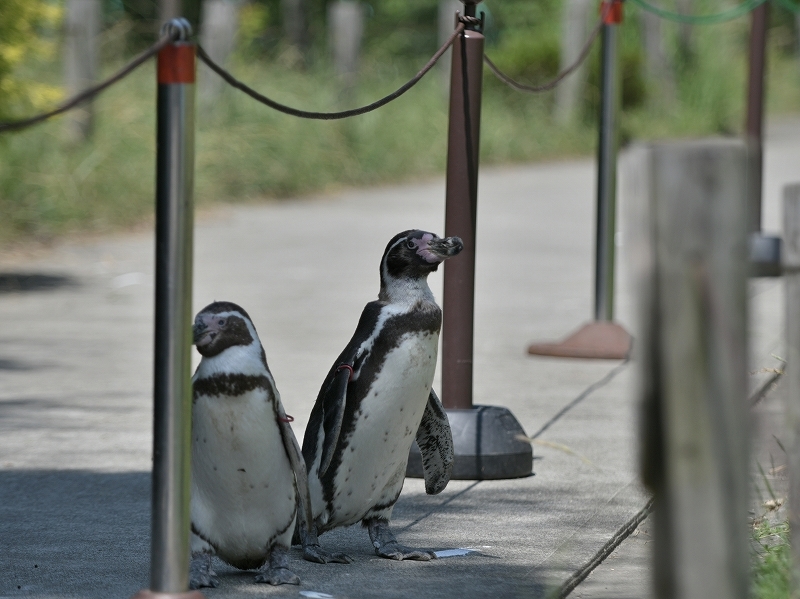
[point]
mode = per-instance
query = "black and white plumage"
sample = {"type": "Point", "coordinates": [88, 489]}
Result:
{"type": "Point", "coordinates": [247, 470]}
{"type": "Point", "coordinates": [375, 399]}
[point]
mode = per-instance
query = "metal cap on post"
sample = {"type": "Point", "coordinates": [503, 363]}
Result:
{"type": "Point", "coordinates": [172, 393]}
{"type": "Point", "coordinates": [602, 338]}
{"type": "Point", "coordinates": [485, 437]}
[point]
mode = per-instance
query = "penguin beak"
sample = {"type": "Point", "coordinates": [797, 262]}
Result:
{"type": "Point", "coordinates": [203, 332]}
{"type": "Point", "coordinates": [445, 248]}
{"type": "Point", "coordinates": [198, 332]}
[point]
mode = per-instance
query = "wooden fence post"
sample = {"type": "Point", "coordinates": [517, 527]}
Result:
{"type": "Point", "coordinates": [791, 266]}
{"type": "Point", "coordinates": [692, 359]}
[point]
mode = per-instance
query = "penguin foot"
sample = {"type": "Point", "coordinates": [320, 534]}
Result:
{"type": "Point", "coordinates": [401, 552]}
{"type": "Point", "coordinates": [316, 554]}
{"type": "Point", "coordinates": [276, 576]}
{"type": "Point", "coordinates": [277, 571]}
{"type": "Point", "coordinates": [200, 572]}
{"type": "Point", "coordinates": [387, 546]}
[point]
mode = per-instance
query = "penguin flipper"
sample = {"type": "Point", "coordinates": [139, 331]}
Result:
{"type": "Point", "coordinates": [333, 413]}
{"type": "Point", "coordinates": [435, 440]}
{"type": "Point", "coordinates": [292, 448]}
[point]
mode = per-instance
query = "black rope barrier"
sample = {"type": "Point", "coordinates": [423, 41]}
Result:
{"type": "Point", "coordinates": [91, 92]}
{"type": "Point", "coordinates": [328, 116]}
{"type": "Point", "coordinates": [532, 89]}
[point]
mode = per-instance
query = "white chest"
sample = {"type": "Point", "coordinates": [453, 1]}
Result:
{"type": "Point", "coordinates": [242, 482]}
{"type": "Point", "coordinates": [374, 463]}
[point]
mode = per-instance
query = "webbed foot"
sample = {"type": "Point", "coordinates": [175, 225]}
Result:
{"type": "Point", "coordinates": [315, 553]}
{"type": "Point", "coordinates": [200, 572]}
{"type": "Point", "coordinates": [401, 552]}
{"type": "Point", "coordinates": [276, 571]}
{"type": "Point", "coordinates": [312, 552]}
{"type": "Point", "coordinates": [387, 546]}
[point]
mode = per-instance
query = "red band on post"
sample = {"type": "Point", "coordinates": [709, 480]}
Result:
{"type": "Point", "coordinates": [611, 11]}
{"type": "Point", "coordinates": [176, 64]}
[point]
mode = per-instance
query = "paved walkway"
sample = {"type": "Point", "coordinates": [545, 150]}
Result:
{"type": "Point", "coordinates": [75, 388]}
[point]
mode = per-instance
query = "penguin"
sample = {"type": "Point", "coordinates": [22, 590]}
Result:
{"type": "Point", "coordinates": [376, 399]}
{"type": "Point", "coordinates": [248, 475]}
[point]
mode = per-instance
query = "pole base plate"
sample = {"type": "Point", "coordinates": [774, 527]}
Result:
{"type": "Point", "coordinates": [486, 443]}
{"type": "Point", "coordinates": [598, 340]}
{"type": "Point", "coordinates": [765, 255]}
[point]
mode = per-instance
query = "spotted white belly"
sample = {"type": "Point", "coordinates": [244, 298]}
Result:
{"type": "Point", "coordinates": [242, 482]}
{"type": "Point", "coordinates": [373, 467]}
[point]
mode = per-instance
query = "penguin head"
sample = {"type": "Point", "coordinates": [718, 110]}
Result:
{"type": "Point", "coordinates": [221, 325]}
{"type": "Point", "coordinates": [415, 254]}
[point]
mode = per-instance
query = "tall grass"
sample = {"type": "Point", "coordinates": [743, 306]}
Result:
{"type": "Point", "coordinates": [771, 561]}
{"type": "Point", "coordinates": [247, 152]}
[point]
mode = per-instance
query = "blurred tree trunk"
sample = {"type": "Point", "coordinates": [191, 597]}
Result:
{"type": "Point", "coordinates": [574, 31]}
{"type": "Point", "coordinates": [167, 10]}
{"type": "Point", "coordinates": [447, 23]}
{"type": "Point", "coordinates": [345, 30]}
{"type": "Point", "coordinates": [171, 9]}
{"type": "Point", "coordinates": [685, 44]}
{"type": "Point", "coordinates": [295, 26]}
{"type": "Point", "coordinates": [660, 71]}
{"type": "Point", "coordinates": [219, 23]}
{"type": "Point", "coordinates": [82, 26]}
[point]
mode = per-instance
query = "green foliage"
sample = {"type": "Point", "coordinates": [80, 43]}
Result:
{"type": "Point", "coordinates": [22, 24]}
{"type": "Point", "coordinates": [771, 561]}
{"type": "Point", "coordinates": [246, 152]}
{"type": "Point", "coordinates": [523, 38]}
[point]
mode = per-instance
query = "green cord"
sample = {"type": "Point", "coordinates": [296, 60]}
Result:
{"type": "Point", "coordinates": [725, 15]}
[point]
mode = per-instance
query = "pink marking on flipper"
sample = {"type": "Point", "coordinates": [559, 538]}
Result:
{"type": "Point", "coordinates": [348, 367]}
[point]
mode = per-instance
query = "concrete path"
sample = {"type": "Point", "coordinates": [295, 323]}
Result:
{"type": "Point", "coordinates": [75, 388]}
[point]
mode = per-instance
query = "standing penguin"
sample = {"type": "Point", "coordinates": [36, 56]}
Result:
{"type": "Point", "coordinates": [376, 397]}
{"type": "Point", "coordinates": [247, 470]}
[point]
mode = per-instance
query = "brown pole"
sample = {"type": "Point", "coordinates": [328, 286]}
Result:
{"type": "Point", "coordinates": [461, 203]}
{"type": "Point", "coordinates": [755, 114]}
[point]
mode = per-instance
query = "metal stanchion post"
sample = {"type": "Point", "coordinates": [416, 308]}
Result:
{"type": "Point", "coordinates": [765, 250]}
{"type": "Point", "coordinates": [484, 437]}
{"type": "Point", "coordinates": [603, 338]}
{"type": "Point", "coordinates": [172, 393]}
{"type": "Point", "coordinates": [607, 170]}
{"type": "Point", "coordinates": [461, 208]}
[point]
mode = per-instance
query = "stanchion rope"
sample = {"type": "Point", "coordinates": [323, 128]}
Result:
{"type": "Point", "coordinates": [231, 80]}
{"type": "Point", "coordinates": [328, 116]}
{"type": "Point", "coordinates": [90, 92]}
{"type": "Point", "coordinates": [561, 76]}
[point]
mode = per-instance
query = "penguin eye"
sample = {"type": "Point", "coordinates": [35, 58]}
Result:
{"type": "Point", "coordinates": [411, 245]}
{"type": "Point", "coordinates": [221, 322]}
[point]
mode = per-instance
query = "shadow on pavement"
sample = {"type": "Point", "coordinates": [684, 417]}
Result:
{"type": "Point", "coordinates": [25, 282]}
{"type": "Point", "coordinates": [74, 533]}
{"type": "Point", "coordinates": [77, 533]}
